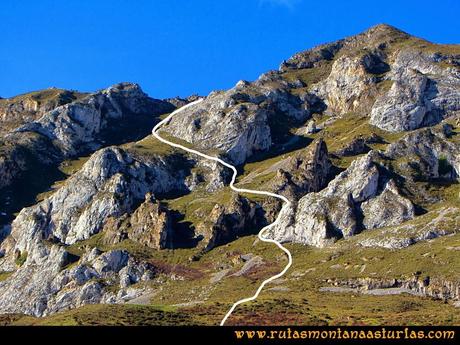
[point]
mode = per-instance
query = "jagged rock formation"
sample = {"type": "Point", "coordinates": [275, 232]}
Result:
{"type": "Point", "coordinates": [337, 211]}
{"type": "Point", "coordinates": [422, 93]}
{"type": "Point", "coordinates": [305, 172]}
{"type": "Point", "coordinates": [79, 126]}
{"type": "Point", "coordinates": [376, 37]}
{"type": "Point", "coordinates": [65, 125]}
{"type": "Point", "coordinates": [82, 125]}
{"type": "Point", "coordinates": [348, 85]}
{"type": "Point", "coordinates": [424, 84]}
{"type": "Point", "coordinates": [426, 154]}
{"type": "Point", "coordinates": [19, 110]}
{"type": "Point", "coordinates": [45, 285]}
{"type": "Point", "coordinates": [149, 225]}
{"type": "Point", "coordinates": [107, 185]}
{"type": "Point", "coordinates": [441, 222]}
{"type": "Point", "coordinates": [350, 75]}
{"type": "Point", "coordinates": [214, 175]}
{"type": "Point", "coordinates": [396, 210]}
{"type": "Point", "coordinates": [237, 122]}
{"type": "Point", "coordinates": [354, 66]}
{"type": "Point", "coordinates": [225, 223]}
{"type": "Point", "coordinates": [240, 134]}
{"type": "Point", "coordinates": [366, 197]}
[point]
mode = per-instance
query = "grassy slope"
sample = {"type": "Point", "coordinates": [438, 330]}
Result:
{"type": "Point", "coordinates": [43, 96]}
{"type": "Point", "coordinates": [301, 304]}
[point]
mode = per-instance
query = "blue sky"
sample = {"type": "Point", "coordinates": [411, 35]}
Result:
{"type": "Point", "coordinates": [180, 47]}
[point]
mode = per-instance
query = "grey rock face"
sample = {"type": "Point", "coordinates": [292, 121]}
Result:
{"type": "Point", "coordinates": [111, 261]}
{"type": "Point", "coordinates": [220, 123]}
{"type": "Point", "coordinates": [107, 185]}
{"type": "Point", "coordinates": [236, 123]}
{"type": "Point", "coordinates": [114, 193]}
{"type": "Point", "coordinates": [19, 110]}
{"type": "Point", "coordinates": [441, 222]}
{"type": "Point", "coordinates": [362, 197]}
{"type": "Point", "coordinates": [211, 173]}
{"type": "Point", "coordinates": [46, 287]}
{"type": "Point", "coordinates": [320, 218]}
{"type": "Point", "coordinates": [225, 223]}
{"type": "Point", "coordinates": [303, 173]}
{"type": "Point", "coordinates": [67, 126]}
{"type": "Point", "coordinates": [387, 209]}
{"type": "Point", "coordinates": [427, 149]}
{"type": "Point", "coordinates": [422, 94]}
{"type": "Point", "coordinates": [77, 126]}
{"type": "Point", "coordinates": [375, 37]}
{"type": "Point", "coordinates": [348, 87]}
{"type": "Point", "coordinates": [372, 38]}
{"type": "Point", "coordinates": [149, 225]}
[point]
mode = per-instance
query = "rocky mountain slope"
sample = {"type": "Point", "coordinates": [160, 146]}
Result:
{"type": "Point", "coordinates": [66, 126]}
{"type": "Point", "coordinates": [360, 134]}
{"type": "Point", "coordinates": [22, 109]}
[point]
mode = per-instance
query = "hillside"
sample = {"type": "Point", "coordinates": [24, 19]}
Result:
{"type": "Point", "coordinates": [99, 220]}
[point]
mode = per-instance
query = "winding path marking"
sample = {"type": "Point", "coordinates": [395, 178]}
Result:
{"type": "Point", "coordinates": [239, 190]}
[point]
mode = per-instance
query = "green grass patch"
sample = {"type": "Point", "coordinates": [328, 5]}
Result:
{"type": "Point", "coordinates": [21, 259]}
{"type": "Point", "coordinates": [5, 275]}
{"type": "Point", "coordinates": [71, 166]}
{"type": "Point", "coordinates": [54, 95]}
{"type": "Point", "coordinates": [309, 76]}
{"type": "Point", "coordinates": [110, 315]}
{"type": "Point", "coordinates": [150, 146]}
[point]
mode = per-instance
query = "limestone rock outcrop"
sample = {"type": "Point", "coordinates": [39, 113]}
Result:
{"type": "Point", "coordinates": [150, 225]}
{"type": "Point", "coordinates": [320, 218]}
{"type": "Point", "coordinates": [22, 109]}
{"type": "Point", "coordinates": [387, 209]}
{"type": "Point", "coordinates": [240, 122]}
{"type": "Point", "coordinates": [47, 286]}
{"type": "Point", "coordinates": [305, 172]}
{"type": "Point", "coordinates": [422, 93]}
{"type": "Point", "coordinates": [79, 126]}
{"type": "Point", "coordinates": [226, 223]}
{"type": "Point", "coordinates": [386, 103]}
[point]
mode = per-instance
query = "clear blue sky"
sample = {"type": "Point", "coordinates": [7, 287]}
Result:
{"type": "Point", "coordinates": [180, 47]}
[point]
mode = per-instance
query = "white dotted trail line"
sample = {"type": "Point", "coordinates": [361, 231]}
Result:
{"type": "Point", "coordinates": [236, 189]}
